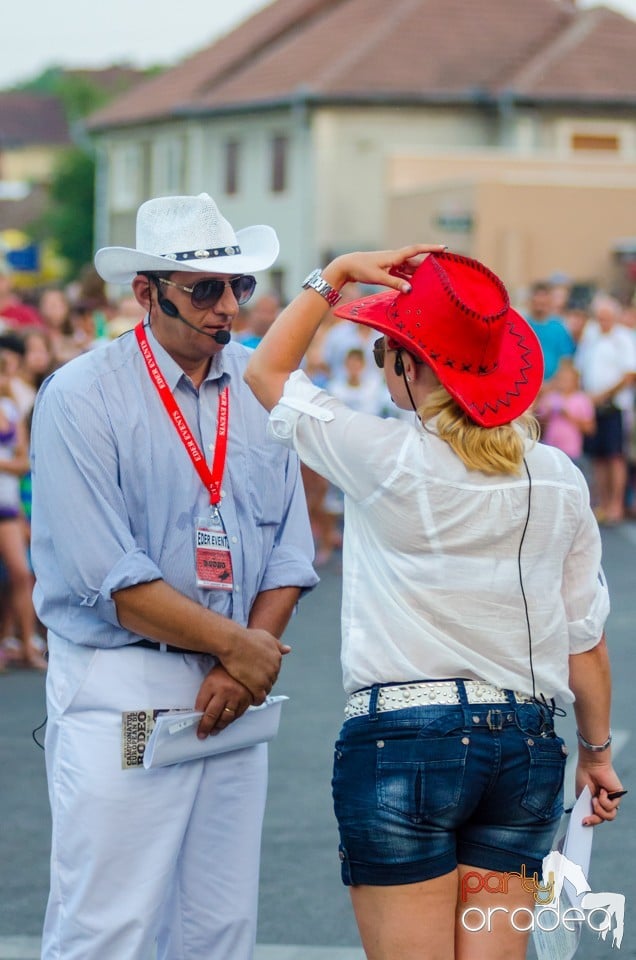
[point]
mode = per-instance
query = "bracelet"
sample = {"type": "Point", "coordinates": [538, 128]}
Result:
{"type": "Point", "coordinates": [594, 747]}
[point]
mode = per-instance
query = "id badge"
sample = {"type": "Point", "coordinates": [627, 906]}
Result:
{"type": "Point", "coordinates": [212, 554]}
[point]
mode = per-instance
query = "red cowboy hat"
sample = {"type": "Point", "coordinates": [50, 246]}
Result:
{"type": "Point", "coordinates": [458, 319]}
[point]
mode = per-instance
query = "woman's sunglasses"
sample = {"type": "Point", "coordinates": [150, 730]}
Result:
{"type": "Point", "coordinates": [380, 348]}
{"type": "Point", "coordinates": [207, 293]}
{"type": "Point", "coordinates": [379, 351]}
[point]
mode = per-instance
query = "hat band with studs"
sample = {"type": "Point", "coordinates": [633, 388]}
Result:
{"type": "Point", "coordinates": [203, 254]}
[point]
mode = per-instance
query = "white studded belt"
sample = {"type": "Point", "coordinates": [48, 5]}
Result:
{"type": "Point", "coordinates": [397, 696]}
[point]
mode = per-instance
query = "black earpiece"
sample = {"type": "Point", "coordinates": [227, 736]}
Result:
{"type": "Point", "coordinates": [167, 307]}
{"type": "Point", "coordinates": [398, 366]}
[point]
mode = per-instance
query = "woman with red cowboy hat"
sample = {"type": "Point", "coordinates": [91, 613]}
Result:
{"type": "Point", "coordinates": [473, 603]}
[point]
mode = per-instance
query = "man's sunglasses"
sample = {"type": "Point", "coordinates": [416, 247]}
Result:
{"type": "Point", "coordinates": [207, 293]}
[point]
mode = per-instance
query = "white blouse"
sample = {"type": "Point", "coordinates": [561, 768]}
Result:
{"type": "Point", "coordinates": [432, 582]}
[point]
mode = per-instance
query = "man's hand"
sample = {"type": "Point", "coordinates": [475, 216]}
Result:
{"type": "Point", "coordinates": [255, 661]}
{"type": "Point", "coordinates": [222, 700]}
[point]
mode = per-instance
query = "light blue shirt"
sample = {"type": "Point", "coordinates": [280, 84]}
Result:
{"type": "Point", "coordinates": [556, 342]}
{"type": "Point", "coordinates": [115, 494]}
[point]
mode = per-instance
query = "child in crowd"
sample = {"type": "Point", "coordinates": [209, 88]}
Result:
{"type": "Point", "coordinates": [566, 412]}
{"type": "Point", "coordinates": [356, 387]}
{"type": "Point", "coordinates": [15, 605]}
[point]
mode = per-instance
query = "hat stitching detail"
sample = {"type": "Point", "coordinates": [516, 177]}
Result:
{"type": "Point", "coordinates": [514, 391]}
{"type": "Point", "coordinates": [480, 268]}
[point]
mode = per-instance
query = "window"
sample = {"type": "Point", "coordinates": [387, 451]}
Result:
{"type": "Point", "coordinates": [232, 159]}
{"type": "Point", "coordinates": [280, 150]}
{"type": "Point", "coordinates": [596, 141]}
{"type": "Point", "coordinates": [595, 138]}
{"type": "Point", "coordinates": [125, 176]}
{"type": "Point", "coordinates": [168, 166]}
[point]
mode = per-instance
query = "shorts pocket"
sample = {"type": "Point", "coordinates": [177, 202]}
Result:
{"type": "Point", "coordinates": [545, 777]}
{"type": "Point", "coordinates": [421, 777]}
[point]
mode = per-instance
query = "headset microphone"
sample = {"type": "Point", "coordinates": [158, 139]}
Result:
{"type": "Point", "coordinates": [170, 310]}
{"type": "Point", "coordinates": [398, 369]}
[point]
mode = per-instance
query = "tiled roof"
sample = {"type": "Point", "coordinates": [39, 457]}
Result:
{"type": "Point", "coordinates": [162, 96]}
{"type": "Point", "coordinates": [594, 58]}
{"type": "Point", "coordinates": [32, 119]}
{"type": "Point", "coordinates": [409, 50]}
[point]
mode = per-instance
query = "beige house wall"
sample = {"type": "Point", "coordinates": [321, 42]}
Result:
{"type": "Point", "coordinates": [351, 149]}
{"type": "Point", "coordinates": [524, 218]}
{"type": "Point", "coordinates": [31, 163]}
{"type": "Point", "coordinates": [529, 231]}
{"type": "Point", "coordinates": [367, 177]}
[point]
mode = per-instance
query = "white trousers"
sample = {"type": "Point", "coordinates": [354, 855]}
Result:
{"type": "Point", "coordinates": [167, 856]}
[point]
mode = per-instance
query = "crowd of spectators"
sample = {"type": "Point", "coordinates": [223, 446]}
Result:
{"type": "Point", "coordinates": [586, 406]}
{"type": "Point", "coordinates": [39, 331]}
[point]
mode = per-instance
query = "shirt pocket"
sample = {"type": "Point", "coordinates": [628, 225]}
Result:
{"type": "Point", "coordinates": [266, 483]}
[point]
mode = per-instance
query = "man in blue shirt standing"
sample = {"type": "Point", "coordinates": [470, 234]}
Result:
{"type": "Point", "coordinates": [554, 337]}
{"type": "Point", "coordinates": [170, 544]}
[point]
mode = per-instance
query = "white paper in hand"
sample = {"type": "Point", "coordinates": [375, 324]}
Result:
{"type": "Point", "coordinates": [174, 738]}
{"type": "Point", "coordinates": [569, 864]}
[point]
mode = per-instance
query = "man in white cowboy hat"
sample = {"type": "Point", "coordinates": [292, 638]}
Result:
{"type": "Point", "coordinates": [170, 545]}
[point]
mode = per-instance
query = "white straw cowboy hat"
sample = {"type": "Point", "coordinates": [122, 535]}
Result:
{"type": "Point", "coordinates": [191, 234]}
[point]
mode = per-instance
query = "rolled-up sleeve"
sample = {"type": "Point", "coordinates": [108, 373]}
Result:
{"type": "Point", "coordinates": [299, 397]}
{"type": "Point", "coordinates": [290, 562]}
{"type": "Point", "coordinates": [78, 503]}
{"type": "Point", "coordinates": [586, 632]}
{"type": "Point", "coordinates": [584, 589]}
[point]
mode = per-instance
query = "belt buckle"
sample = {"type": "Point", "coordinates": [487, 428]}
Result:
{"type": "Point", "coordinates": [494, 719]}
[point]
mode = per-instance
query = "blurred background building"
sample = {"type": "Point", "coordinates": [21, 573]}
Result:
{"type": "Point", "coordinates": [506, 129]}
{"type": "Point", "coordinates": [47, 170]}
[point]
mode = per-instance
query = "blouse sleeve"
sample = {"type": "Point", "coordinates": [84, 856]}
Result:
{"type": "Point", "coordinates": [584, 588]}
{"type": "Point", "coordinates": [355, 451]}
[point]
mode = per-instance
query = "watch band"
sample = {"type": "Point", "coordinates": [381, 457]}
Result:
{"type": "Point", "coordinates": [316, 281]}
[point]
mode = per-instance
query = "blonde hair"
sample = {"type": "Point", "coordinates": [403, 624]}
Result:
{"type": "Point", "coordinates": [493, 450]}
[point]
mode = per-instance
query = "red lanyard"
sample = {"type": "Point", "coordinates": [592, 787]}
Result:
{"type": "Point", "coordinates": [211, 480]}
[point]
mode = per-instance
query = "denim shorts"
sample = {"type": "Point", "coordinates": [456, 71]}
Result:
{"type": "Point", "coordinates": [418, 790]}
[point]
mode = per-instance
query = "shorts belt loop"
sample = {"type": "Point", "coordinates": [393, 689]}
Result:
{"type": "Point", "coordinates": [461, 691]}
{"type": "Point", "coordinates": [373, 702]}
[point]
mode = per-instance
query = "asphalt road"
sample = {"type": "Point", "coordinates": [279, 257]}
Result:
{"type": "Point", "coordinates": [304, 909]}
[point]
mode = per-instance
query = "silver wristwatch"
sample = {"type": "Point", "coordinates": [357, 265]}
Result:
{"type": "Point", "coordinates": [316, 281]}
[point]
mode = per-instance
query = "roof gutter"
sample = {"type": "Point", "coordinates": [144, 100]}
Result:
{"type": "Point", "coordinates": [305, 99]}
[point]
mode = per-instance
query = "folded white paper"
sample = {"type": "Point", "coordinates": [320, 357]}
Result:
{"type": "Point", "coordinates": [569, 865]}
{"type": "Point", "coordinates": [174, 738]}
